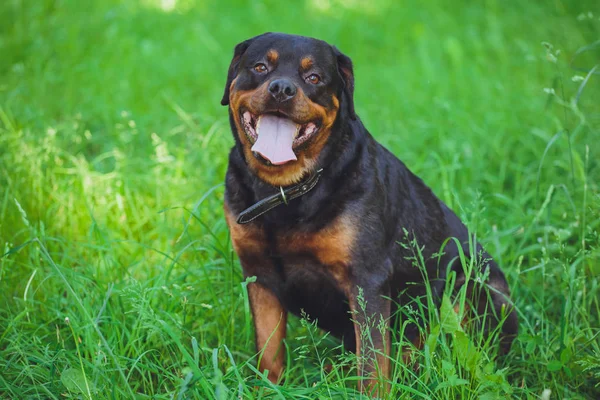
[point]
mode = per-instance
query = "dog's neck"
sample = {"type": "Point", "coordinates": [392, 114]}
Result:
{"type": "Point", "coordinates": [283, 197]}
{"type": "Point", "coordinates": [338, 159]}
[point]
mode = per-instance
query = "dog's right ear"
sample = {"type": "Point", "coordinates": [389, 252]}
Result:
{"type": "Point", "coordinates": [239, 51]}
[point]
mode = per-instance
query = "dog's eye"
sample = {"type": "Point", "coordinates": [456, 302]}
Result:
{"type": "Point", "coordinates": [313, 78]}
{"type": "Point", "coordinates": [260, 68]}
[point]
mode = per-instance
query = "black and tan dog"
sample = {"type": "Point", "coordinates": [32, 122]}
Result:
{"type": "Point", "coordinates": [317, 208]}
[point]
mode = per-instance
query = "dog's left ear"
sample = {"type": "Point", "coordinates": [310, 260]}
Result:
{"type": "Point", "coordinates": [239, 51]}
{"type": "Point", "coordinates": [344, 64]}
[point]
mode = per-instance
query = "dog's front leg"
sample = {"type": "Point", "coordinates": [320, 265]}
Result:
{"type": "Point", "coordinates": [370, 308]}
{"type": "Point", "coordinates": [270, 320]}
{"type": "Point", "coordinates": [269, 316]}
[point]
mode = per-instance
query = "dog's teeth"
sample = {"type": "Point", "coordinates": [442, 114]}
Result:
{"type": "Point", "coordinates": [247, 117]}
{"type": "Point", "coordinates": [257, 129]}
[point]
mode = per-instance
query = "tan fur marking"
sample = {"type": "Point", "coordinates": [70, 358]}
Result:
{"type": "Point", "coordinates": [305, 111]}
{"type": "Point", "coordinates": [332, 246]}
{"type": "Point", "coordinates": [306, 63]}
{"type": "Point", "coordinates": [366, 366]}
{"type": "Point", "coordinates": [270, 323]}
{"type": "Point", "coordinates": [231, 86]}
{"type": "Point", "coordinates": [272, 56]}
{"type": "Point", "coordinates": [246, 239]}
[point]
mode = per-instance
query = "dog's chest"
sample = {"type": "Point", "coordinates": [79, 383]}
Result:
{"type": "Point", "coordinates": [288, 256]}
{"type": "Point", "coordinates": [328, 251]}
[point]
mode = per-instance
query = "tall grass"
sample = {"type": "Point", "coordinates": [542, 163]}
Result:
{"type": "Point", "coordinates": [118, 279]}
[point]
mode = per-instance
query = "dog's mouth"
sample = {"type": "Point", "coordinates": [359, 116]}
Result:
{"type": "Point", "coordinates": [275, 136]}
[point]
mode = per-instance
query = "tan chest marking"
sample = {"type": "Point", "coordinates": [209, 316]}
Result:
{"type": "Point", "coordinates": [331, 246]}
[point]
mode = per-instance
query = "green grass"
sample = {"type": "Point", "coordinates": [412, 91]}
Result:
{"type": "Point", "coordinates": [118, 279]}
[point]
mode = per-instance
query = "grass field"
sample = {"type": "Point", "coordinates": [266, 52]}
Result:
{"type": "Point", "coordinates": [118, 279]}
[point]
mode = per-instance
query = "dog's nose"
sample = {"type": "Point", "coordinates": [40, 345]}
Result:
{"type": "Point", "coordinates": [282, 89]}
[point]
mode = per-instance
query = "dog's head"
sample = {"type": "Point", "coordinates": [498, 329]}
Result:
{"type": "Point", "coordinates": [285, 94]}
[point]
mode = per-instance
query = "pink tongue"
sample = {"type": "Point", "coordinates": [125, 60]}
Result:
{"type": "Point", "coordinates": [275, 138]}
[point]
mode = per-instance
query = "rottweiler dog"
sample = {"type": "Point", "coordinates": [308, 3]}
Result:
{"type": "Point", "coordinates": [321, 213]}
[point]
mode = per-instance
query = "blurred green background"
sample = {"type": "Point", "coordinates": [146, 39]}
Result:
{"type": "Point", "coordinates": [113, 148]}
